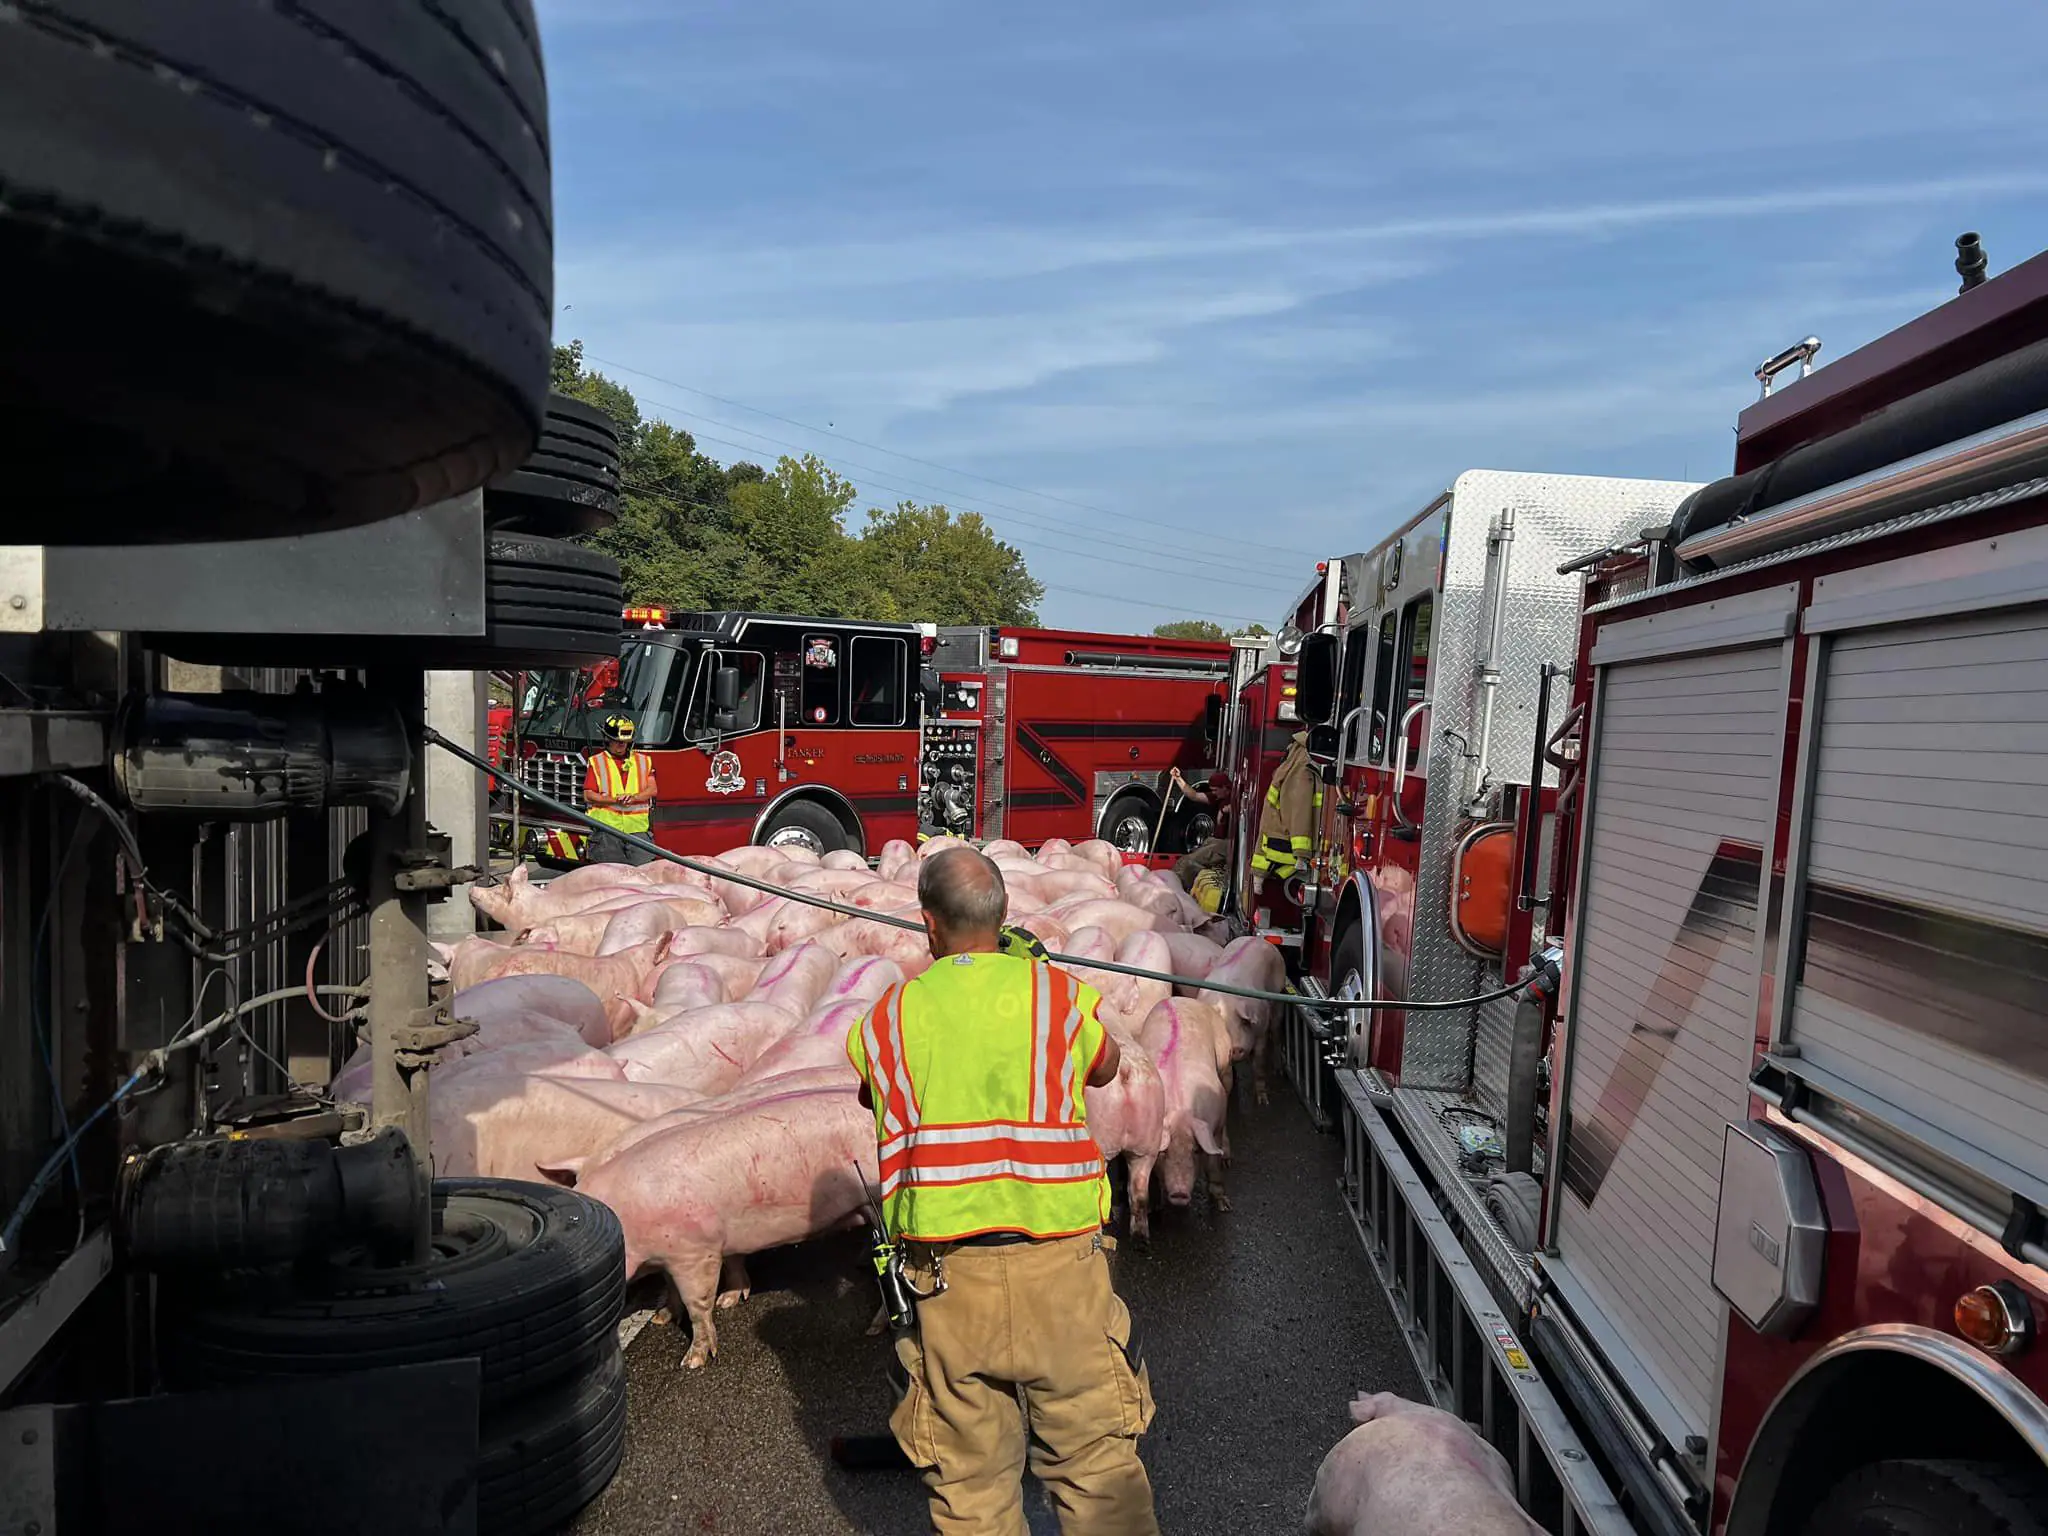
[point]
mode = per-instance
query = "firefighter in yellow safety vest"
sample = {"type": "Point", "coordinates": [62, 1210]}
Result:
{"type": "Point", "coordinates": [618, 790]}
{"type": "Point", "coordinates": [1287, 820]}
{"type": "Point", "coordinates": [994, 1190]}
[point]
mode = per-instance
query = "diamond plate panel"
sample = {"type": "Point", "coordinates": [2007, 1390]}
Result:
{"type": "Point", "coordinates": [1556, 519]}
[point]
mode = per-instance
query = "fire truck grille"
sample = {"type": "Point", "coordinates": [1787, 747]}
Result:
{"type": "Point", "coordinates": [559, 774]}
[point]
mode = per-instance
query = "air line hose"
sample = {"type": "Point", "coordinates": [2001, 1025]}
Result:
{"type": "Point", "coordinates": [715, 872]}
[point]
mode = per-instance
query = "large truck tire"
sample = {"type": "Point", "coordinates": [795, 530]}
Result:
{"type": "Point", "coordinates": [570, 483]}
{"type": "Point", "coordinates": [1128, 821]}
{"type": "Point", "coordinates": [805, 824]}
{"type": "Point", "coordinates": [1931, 1498]}
{"type": "Point", "coordinates": [528, 1278]}
{"type": "Point", "coordinates": [541, 1460]}
{"type": "Point", "coordinates": [276, 267]}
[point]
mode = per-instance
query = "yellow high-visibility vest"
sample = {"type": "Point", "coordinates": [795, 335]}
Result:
{"type": "Point", "coordinates": [618, 779]}
{"type": "Point", "coordinates": [977, 1069]}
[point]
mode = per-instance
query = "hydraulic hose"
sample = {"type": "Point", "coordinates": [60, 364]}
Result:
{"type": "Point", "coordinates": [716, 872]}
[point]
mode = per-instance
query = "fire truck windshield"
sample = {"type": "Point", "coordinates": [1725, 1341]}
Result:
{"type": "Point", "coordinates": [649, 683]}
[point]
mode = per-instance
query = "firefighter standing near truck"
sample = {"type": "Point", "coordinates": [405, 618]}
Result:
{"type": "Point", "coordinates": [618, 789]}
{"type": "Point", "coordinates": [994, 1191]}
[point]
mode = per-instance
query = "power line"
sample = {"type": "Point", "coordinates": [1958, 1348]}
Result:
{"type": "Point", "coordinates": [969, 474]}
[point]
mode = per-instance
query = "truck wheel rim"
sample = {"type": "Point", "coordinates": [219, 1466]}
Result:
{"type": "Point", "coordinates": [1350, 990]}
{"type": "Point", "coordinates": [1132, 833]}
{"type": "Point", "coordinates": [796, 837]}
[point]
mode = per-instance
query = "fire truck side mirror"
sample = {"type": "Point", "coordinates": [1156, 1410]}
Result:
{"type": "Point", "coordinates": [928, 680]}
{"type": "Point", "coordinates": [725, 690]}
{"type": "Point", "coordinates": [1315, 681]}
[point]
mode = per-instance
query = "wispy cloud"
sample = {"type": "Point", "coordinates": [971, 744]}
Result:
{"type": "Point", "coordinates": [1268, 274]}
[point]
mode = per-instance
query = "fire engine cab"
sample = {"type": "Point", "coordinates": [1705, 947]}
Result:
{"type": "Point", "coordinates": [1729, 1217]}
{"type": "Point", "coordinates": [761, 727]}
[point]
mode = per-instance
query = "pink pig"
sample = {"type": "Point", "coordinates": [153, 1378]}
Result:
{"type": "Point", "coordinates": [705, 1049]}
{"type": "Point", "coordinates": [1411, 1468]}
{"type": "Point", "coordinates": [1254, 963]}
{"type": "Point", "coordinates": [778, 1171]}
{"type": "Point", "coordinates": [1189, 1045]}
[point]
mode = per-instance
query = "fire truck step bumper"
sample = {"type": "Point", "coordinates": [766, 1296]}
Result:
{"type": "Point", "coordinates": [1466, 1349]}
{"type": "Point", "coordinates": [1304, 1053]}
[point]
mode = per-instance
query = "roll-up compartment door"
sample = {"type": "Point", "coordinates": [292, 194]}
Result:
{"type": "Point", "coordinates": [1924, 942]}
{"type": "Point", "coordinates": [1686, 775]}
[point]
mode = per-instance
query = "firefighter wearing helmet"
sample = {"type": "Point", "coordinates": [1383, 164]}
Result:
{"type": "Point", "coordinates": [619, 790]}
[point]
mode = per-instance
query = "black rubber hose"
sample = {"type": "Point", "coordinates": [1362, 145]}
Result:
{"type": "Point", "coordinates": [1525, 1062]}
{"type": "Point", "coordinates": [734, 877]}
{"type": "Point", "coordinates": [1989, 395]}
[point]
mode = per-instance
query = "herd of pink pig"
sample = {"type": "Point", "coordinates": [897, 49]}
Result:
{"type": "Point", "coordinates": [673, 1043]}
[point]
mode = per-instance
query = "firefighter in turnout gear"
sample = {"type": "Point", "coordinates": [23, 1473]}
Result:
{"type": "Point", "coordinates": [1287, 820]}
{"type": "Point", "coordinates": [618, 789]}
{"type": "Point", "coordinates": [995, 1192]}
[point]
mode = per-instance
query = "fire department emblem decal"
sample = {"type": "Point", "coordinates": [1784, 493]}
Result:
{"type": "Point", "coordinates": [821, 654]}
{"type": "Point", "coordinates": [727, 778]}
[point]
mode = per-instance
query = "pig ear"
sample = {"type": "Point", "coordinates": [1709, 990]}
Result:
{"type": "Point", "coordinates": [445, 952]}
{"type": "Point", "coordinates": [1206, 1138]}
{"type": "Point", "coordinates": [562, 1172]}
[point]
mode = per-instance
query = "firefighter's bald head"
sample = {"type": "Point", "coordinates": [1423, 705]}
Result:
{"type": "Point", "coordinates": [962, 894]}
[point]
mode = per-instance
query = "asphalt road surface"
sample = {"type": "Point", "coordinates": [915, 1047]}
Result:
{"type": "Point", "coordinates": [1259, 1324]}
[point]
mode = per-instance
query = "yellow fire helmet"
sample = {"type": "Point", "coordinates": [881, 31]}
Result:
{"type": "Point", "coordinates": [618, 728]}
{"type": "Point", "coordinates": [1208, 891]}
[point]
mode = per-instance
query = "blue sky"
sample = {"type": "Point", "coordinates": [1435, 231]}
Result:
{"type": "Point", "coordinates": [1183, 296]}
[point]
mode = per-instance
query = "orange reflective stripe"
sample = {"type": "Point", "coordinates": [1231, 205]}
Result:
{"type": "Point", "coordinates": [884, 1040]}
{"type": "Point", "coordinates": [929, 1155]}
{"type": "Point", "coordinates": [1056, 1024]}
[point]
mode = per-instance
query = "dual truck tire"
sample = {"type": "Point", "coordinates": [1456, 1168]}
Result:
{"type": "Point", "coordinates": [526, 1278]}
{"type": "Point", "coordinates": [283, 268]}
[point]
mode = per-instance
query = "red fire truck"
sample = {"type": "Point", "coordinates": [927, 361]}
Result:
{"type": "Point", "coordinates": [1045, 733]}
{"type": "Point", "coordinates": [1738, 1226]}
{"type": "Point", "coordinates": [762, 727]}
{"type": "Point", "coordinates": [836, 734]}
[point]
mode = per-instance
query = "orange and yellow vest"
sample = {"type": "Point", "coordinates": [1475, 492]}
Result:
{"type": "Point", "coordinates": [609, 776]}
{"type": "Point", "coordinates": [977, 1070]}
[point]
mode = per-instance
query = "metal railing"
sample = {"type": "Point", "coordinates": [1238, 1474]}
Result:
{"type": "Point", "coordinates": [1471, 1360]}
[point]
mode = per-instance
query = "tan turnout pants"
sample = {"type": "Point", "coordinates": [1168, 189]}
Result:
{"type": "Point", "coordinates": [1042, 1317]}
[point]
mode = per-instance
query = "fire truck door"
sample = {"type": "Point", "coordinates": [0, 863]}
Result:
{"type": "Point", "coordinates": [1683, 796]}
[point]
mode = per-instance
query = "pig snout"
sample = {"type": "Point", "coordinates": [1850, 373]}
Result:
{"type": "Point", "coordinates": [1177, 1172]}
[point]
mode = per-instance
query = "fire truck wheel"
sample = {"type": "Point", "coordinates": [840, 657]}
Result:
{"type": "Point", "coordinates": [541, 1460]}
{"type": "Point", "coordinates": [1347, 980]}
{"type": "Point", "coordinates": [1128, 820]}
{"type": "Point", "coordinates": [570, 483]}
{"type": "Point", "coordinates": [1928, 1498]}
{"type": "Point", "coordinates": [292, 266]}
{"type": "Point", "coordinates": [805, 824]}
{"type": "Point", "coordinates": [527, 1277]}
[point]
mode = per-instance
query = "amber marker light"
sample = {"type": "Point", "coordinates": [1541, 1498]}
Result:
{"type": "Point", "coordinates": [1998, 1319]}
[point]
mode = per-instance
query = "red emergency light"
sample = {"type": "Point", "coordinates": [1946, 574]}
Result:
{"type": "Point", "coordinates": [646, 613]}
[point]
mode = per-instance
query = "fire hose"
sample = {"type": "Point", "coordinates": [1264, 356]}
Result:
{"type": "Point", "coordinates": [807, 898]}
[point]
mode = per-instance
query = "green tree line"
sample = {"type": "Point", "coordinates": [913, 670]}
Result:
{"type": "Point", "coordinates": [1202, 629]}
{"type": "Point", "coordinates": [694, 533]}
